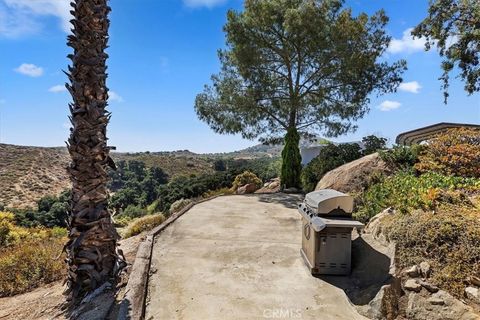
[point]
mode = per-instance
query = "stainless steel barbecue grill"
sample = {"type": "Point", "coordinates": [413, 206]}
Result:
{"type": "Point", "coordinates": [327, 231]}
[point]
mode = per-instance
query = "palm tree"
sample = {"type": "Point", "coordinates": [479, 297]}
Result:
{"type": "Point", "coordinates": [92, 247]}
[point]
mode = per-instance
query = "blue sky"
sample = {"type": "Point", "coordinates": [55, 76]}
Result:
{"type": "Point", "coordinates": [162, 52]}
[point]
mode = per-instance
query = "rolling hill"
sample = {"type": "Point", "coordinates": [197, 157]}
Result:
{"type": "Point", "coordinates": [29, 173]}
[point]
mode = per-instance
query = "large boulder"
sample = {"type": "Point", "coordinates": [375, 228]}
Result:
{"type": "Point", "coordinates": [355, 175]}
{"type": "Point", "coordinates": [271, 186]}
{"type": "Point", "coordinates": [248, 188]}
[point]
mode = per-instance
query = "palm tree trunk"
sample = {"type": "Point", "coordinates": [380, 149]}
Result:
{"type": "Point", "coordinates": [92, 247]}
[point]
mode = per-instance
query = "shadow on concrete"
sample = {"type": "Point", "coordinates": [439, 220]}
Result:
{"type": "Point", "coordinates": [290, 201]}
{"type": "Point", "coordinates": [370, 271]}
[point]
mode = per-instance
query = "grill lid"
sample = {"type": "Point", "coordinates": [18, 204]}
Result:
{"type": "Point", "coordinates": [320, 223]}
{"type": "Point", "coordinates": [328, 201]}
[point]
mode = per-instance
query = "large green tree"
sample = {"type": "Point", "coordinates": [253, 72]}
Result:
{"type": "Point", "coordinates": [297, 66]}
{"type": "Point", "coordinates": [92, 247]}
{"type": "Point", "coordinates": [453, 26]}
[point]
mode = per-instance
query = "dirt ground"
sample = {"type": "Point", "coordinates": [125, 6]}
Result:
{"type": "Point", "coordinates": [45, 303]}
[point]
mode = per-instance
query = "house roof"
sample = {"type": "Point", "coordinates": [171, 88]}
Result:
{"type": "Point", "coordinates": [425, 133]}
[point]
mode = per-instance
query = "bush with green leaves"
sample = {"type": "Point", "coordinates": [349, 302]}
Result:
{"type": "Point", "coordinates": [331, 156]}
{"type": "Point", "coordinates": [153, 207]}
{"type": "Point", "coordinates": [401, 157]}
{"type": "Point", "coordinates": [192, 187]}
{"type": "Point", "coordinates": [244, 178]}
{"type": "Point", "coordinates": [133, 211]}
{"type": "Point", "coordinates": [406, 192]}
{"type": "Point", "coordinates": [135, 184]}
{"type": "Point", "coordinates": [179, 205]}
{"type": "Point", "coordinates": [265, 168]}
{"type": "Point", "coordinates": [51, 212]}
{"type": "Point", "coordinates": [142, 224]}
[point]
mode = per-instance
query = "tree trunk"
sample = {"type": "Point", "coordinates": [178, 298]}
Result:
{"type": "Point", "coordinates": [92, 247]}
{"type": "Point", "coordinates": [291, 160]}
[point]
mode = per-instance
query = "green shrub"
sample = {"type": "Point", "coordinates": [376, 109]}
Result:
{"type": "Point", "coordinates": [153, 207]}
{"type": "Point", "coordinates": [401, 157]}
{"type": "Point", "coordinates": [244, 178]}
{"type": "Point", "coordinates": [406, 192]}
{"type": "Point", "coordinates": [179, 205]}
{"type": "Point", "coordinates": [265, 167]}
{"type": "Point", "coordinates": [52, 212]}
{"type": "Point", "coordinates": [133, 212]}
{"type": "Point", "coordinates": [6, 229]}
{"type": "Point", "coordinates": [291, 160]}
{"type": "Point", "coordinates": [192, 187]}
{"type": "Point", "coordinates": [331, 156]}
{"type": "Point", "coordinates": [58, 232]}
{"type": "Point", "coordinates": [136, 184]}
{"type": "Point", "coordinates": [142, 224]}
{"type": "Point", "coordinates": [122, 221]}
{"type": "Point", "coordinates": [454, 152]}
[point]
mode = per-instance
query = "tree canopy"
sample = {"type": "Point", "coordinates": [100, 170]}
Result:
{"type": "Point", "coordinates": [454, 27]}
{"type": "Point", "coordinates": [304, 64]}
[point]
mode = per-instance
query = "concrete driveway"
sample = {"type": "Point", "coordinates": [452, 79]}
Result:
{"type": "Point", "coordinates": [237, 257]}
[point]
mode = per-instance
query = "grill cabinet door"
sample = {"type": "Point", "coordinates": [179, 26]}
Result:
{"type": "Point", "coordinates": [334, 251]}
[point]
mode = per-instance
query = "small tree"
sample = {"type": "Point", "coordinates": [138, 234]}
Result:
{"type": "Point", "coordinates": [373, 143]}
{"type": "Point", "coordinates": [454, 27]}
{"type": "Point", "coordinates": [298, 67]}
{"type": "Point", "coordinates": [292, 161]}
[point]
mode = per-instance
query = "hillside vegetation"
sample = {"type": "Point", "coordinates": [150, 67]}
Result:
{"type": "Point", "coordinates": [434, 194]}
{"type": "Point", "coordinates": [29, 257]}
{"type": "Point", "coordinates": [30, 173]}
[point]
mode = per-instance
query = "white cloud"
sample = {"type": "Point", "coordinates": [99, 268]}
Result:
{"type": "Point", "coordinates": [30, 70]}
{"type": "Point", "coordinates": [388, 105]}
{"type": "Point", "coordinates": [14, 23]}
{"type": "Point", "coordinates": [203, 3]}
{"type": "Point", "coordinates": [57, 88]}
{"type": "Point", "coordinates": [407, 44]}
{"type": "Point", "coordinates": [20, 17]}
{"type": "Point", "coordinates": [412, 86]}
{"type": "Point", "coordinates": [113, 96]}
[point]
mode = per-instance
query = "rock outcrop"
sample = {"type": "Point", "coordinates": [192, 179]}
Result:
{"type": "Point", "coordinates": [438, 306]}
{"type": "Point", "coordinates": [248, 188]}
{"type": "Point", "coordinates": [355, 175]}
{"type": "Point", "coordinates": [411, 295]}
{"type": "Point", "coordinates": [271, 186]}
